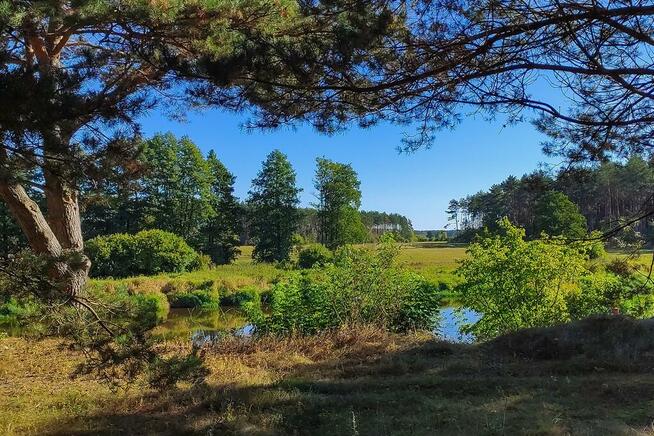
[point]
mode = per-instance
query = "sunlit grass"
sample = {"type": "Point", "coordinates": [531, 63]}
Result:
{"type": "Point", "coordinates": [436, 264]}
{"type": "Point", "coordinates": [361, 382]}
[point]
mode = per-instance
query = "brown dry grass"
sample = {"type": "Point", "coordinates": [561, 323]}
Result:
{"type": "Point", "coordinates": [361, 382]}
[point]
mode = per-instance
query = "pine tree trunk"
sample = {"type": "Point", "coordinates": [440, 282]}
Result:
{"type": "Point", "coordinates": [59, 237]}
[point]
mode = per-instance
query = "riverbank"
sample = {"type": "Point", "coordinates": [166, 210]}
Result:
{"type": "Point", "coordinates": [352, 382]}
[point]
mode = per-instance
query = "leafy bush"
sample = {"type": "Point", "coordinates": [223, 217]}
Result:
{"type": "Point", "coordinates": [152, 308]}
{"type": "Point", "coordinates": [516, 283]}
{"type": "Point", "coordinates": [359, 287]}
{"type": "Point", "coordinates": [16, 312]}
{"type": "Point", "coordinates": [145, 253]}
{"type": "Point", "coordinates": [596, 248]}
{"type": "Point", "coordinates": [314, 254]}
{"type": "Point", "coordinates": [237, 298]}
{"type": "Point", "coordinates": [147, 309]}
{"type": "Point", "coordinates": [191, 294]}
{"type": "Point", "coordinates": [597, 294]}
{"type": "Point", "coordinates": [196, 298]}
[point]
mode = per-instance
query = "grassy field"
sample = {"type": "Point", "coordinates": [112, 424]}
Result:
{"type": "Point", "coordinates": [436, 262]}
{"type": "Point", "coordinates": [347, 383]}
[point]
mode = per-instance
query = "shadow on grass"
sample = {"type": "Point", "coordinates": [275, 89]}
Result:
{"type": "Point", "coordinates": [428, 388]}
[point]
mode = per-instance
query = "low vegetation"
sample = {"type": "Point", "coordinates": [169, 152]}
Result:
{"type": "Point", "coordinates": [515, 283]}
{"type": "Point", "coordinates": [359, 287]}
{"type": "Point", "coordinates": [145, 253]}
{"type": "Point", "coordinates": [365, 382]}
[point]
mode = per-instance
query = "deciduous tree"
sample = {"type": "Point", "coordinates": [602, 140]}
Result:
{"type": "Point", "coordinates": [339, 199]}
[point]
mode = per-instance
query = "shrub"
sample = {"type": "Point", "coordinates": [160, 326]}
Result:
{"type": "Point", "coordinates": [17, 312]}
{"type": "Point", "coordinates": [516, 283]}
{"type": "Point", "coordinates": [143, 310]}
{"type": "Point", "coordinates": [152, 308]}
{"type": "Point", "coordinates": [597, 294]}
{"type": "Point", "coordinates": [314, 254]}
{"type": "Point", "coordinates": [145, 253]}
{"type": "Point", "coordinates": [196, 298]}
{"type": "Point", "coordinates": [237, 298]}
{"type": "Point", "coordinates": [191, 294]}
{"type": "Point", "coordinates": [596, 248]}
{"type": "Point", "coordinates": [359, 287]}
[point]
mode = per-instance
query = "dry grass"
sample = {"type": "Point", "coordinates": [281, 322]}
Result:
{"type": "Point", "coordinates": [351, 382]}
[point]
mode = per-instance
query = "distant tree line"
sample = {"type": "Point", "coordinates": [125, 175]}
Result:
{"type": "Point", "coordinates": [605, 195]}
{"type": "Point", "coordinates": [173, 187]}
{"type": "Point", "coordinates": [382, 222]}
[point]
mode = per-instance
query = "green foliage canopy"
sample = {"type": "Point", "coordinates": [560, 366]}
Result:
{"type": "Point", "coordinates": [273, 209]}
{"type": "Point", "coordinates": [145, 253]}
{"type": "Point", "coordinates": [339, 199]}
{"type": "Point", "coordinates": [556, 215]}
{"type": "Point", "coordinates": [516, 283]}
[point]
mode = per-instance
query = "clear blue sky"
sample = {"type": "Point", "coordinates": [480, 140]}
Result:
{"type": "Point", "coordinates": [419, 185]}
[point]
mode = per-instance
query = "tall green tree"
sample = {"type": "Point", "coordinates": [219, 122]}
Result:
{"type": "Point", "coordinates": [219, 237]}
{"type": "Point", "coordinates": [556, 215]}
{"type": "Point", "coordinates": [273, 205]}
{"type": "Point", "coordinates": [176, 185]}
{"type": "Point", "coordinates": [339, 199]}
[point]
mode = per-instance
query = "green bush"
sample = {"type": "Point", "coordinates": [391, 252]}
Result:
{"type": "Point", "coordinates": [200, 298]}
{"type": "Point", "coordinates": [516, 283]}
{"type": "Point", "coordinates": [152, 309]}
{"type": "Point", "coordinates": [17, 312]}
{"type": "Point", "coordinates": [596, 249]}
{"type": "Point", "coordinates": [237, 298]}
{"type": "Point", "coordinates": [312, 255]}
{"type": "Point", "coordinates": [597, 294]}
{"type": "Point", "coordinates": [142, 310]}
{"type": "Point", "coordinates": [359, 287]}
{"type": "Point", "coordinates": [145, 253]}
{"type": "Point", "coordinates": [188, 294]}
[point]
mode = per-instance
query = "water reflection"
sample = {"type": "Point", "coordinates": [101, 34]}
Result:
{"type": "Point", "coordinates": [196, 324]}
{"type": "Point", "coordinates": [203, 327]}
{"type": "Point", "coordinates": [451, 321]}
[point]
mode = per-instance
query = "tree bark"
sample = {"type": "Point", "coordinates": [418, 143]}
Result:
{"type": "Point", "coordinates": [65, 246]}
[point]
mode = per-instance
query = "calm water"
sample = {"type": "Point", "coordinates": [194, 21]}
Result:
{"type": "Point", "coordinates": [451, 321]}
{"type": "Point", "coordinates": [207, 326]}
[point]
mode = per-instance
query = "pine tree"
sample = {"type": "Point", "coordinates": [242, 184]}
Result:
{"type": "Point", "coordinates": [273, 202]}
{"type": "Point", "coordinates": [220, 235]}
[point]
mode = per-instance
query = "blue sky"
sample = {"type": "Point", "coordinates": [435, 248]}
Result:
{"type": "Point", "coordinates": [418, 185]}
